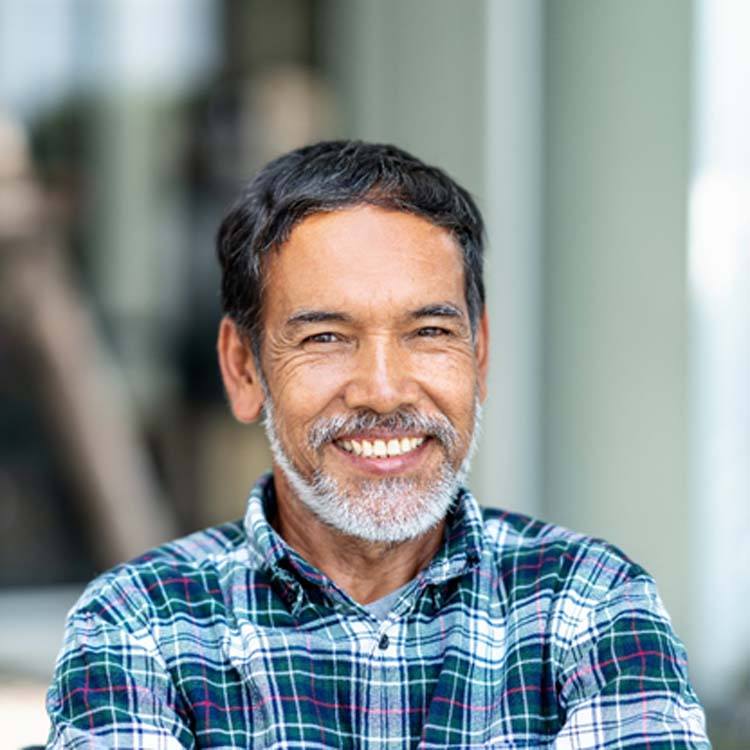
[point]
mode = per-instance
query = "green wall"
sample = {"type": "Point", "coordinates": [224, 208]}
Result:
{"type": "Point", "coordinates": [617, 118]}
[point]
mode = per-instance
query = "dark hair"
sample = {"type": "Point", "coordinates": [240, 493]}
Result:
{"type": "Point", "coordinates": [323, 177]}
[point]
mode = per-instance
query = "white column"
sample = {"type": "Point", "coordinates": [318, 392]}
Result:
{"type": "Point", "coordinates": [719, 287]}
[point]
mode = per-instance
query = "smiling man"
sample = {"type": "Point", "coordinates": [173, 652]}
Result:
{"type": "Point", "coordinates": [367, 600]}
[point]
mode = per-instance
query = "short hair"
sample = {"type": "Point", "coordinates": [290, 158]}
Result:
{"type": "Point", "coordinates": [324, 177]}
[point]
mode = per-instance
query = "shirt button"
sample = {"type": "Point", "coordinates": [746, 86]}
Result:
{"type": "Point", "coordinates": [384, 642]}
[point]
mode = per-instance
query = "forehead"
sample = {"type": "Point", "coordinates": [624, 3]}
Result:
{"type": "Point", "coordinates": [363, 257]}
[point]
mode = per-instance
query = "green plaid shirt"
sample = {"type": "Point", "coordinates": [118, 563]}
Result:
{"type": "Point", "coordinates": [517, 635]}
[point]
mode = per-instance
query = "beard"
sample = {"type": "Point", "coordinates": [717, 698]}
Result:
{"type": "Point", "coordinates": [389, 509]}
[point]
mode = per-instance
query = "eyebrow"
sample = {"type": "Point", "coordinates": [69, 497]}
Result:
{"type": "Point", "coordinates": [438, 310]}
{"type": "Point", "coordinates": [317, 316]}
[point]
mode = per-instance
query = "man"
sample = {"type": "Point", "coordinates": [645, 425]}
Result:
{"type": "Point", "coordinates": [367, 601]}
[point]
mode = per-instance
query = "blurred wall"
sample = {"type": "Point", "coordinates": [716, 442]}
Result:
{"type": "Point", "coordinates": [617, 119]}
{"type": "Point", "coordinates": [412, 73]}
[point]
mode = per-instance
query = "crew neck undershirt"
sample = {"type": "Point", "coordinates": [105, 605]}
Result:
{"type": "Point", "coordinates": [381, 607]}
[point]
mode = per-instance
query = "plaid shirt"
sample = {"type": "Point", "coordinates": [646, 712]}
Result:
{"type": "Point", "coordinates": [518, 635]}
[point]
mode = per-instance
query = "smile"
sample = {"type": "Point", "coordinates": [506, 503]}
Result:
{"type": "Point", "coordinates": [379, 448]}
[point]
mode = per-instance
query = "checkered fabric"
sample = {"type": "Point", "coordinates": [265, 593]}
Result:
{"type": "Point", "coordinates": [518, 635]}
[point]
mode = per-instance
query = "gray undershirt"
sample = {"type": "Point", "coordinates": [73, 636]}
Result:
{"type": "Point", "coordinates": [381, 607]}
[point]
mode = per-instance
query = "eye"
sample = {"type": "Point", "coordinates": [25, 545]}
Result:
{"type": "Point", "coordinates": [322, 338]}
{"type": "Point", "coordinates": [432, 332]}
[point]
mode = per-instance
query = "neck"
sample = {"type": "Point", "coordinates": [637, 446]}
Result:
{"type": "Point", "coordinates": [365, 570]}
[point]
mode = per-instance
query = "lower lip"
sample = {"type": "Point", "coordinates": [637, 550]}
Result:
{"type": "Point", "coordinates": [390, 464]}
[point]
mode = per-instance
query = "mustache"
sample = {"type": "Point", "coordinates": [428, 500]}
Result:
{"type": "Point", "coordinates": [328, 429]}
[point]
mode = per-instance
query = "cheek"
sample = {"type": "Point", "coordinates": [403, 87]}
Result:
{"type": "Point", "coordinates": [452, 382]}
{"type": "Point", "coordinates": [301, 398]}
{"type": "Point", "coordinates": [301, 383]}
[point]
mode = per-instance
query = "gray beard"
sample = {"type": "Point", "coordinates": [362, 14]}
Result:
{"type": "Point", "coordinates": [390, 510]}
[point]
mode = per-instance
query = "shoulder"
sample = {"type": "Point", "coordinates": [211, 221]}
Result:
{"type": "Point", "coordinates": [581, 590]}
{"type": "Point", "coordinates": [185, 572]}
{"type": "Point", "coordinates": [531, 555]}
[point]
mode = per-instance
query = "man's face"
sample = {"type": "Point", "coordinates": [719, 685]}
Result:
{"type": "Point", "coordinates": [373, 377]}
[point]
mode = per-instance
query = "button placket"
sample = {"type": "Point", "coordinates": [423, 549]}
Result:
{"type": "Point", "coordinates": [379, 724]}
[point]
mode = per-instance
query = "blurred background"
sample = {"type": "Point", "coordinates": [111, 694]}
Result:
{"type": "Point", "coordinates": [606, 142]}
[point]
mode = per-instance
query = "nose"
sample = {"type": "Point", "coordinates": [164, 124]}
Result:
{"type": "Point", "coordinates": [381, 378]}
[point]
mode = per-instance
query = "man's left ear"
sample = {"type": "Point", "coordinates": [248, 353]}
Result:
{"type": "Point", "coordinates": [239, 372]}
{"type": "Point", "coordinates": [481, 347]}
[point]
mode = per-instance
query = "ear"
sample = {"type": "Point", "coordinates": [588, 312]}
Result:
{"type": "Point", "coordinates": [239, 372]}
{"type": "Point", "coordinates": [481, 348]}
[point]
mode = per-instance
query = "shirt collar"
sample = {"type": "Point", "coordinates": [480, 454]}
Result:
{"type": "Point", "coordinates": [462, 544]}
{"type": "Point", "coordinates": [461, 549]}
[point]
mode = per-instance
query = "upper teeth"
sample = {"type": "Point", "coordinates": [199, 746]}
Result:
{"type": "Point", "coordinates": [381, 448]}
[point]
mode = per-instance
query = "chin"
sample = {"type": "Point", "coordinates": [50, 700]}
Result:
{"type": "Point", "coordinates": [390, 510]}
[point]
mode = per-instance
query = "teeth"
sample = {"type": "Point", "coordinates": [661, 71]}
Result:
{"type": "Point", "coordinates": [381, 448]}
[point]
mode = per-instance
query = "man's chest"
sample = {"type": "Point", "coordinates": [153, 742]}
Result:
{"type": "Point", "coordinates": [463, 678]}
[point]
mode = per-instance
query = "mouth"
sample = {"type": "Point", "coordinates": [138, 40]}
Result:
{"type": "Point", "coordinates": [384, 454]}
{"type": "Point", "coordinates": [381, 447]}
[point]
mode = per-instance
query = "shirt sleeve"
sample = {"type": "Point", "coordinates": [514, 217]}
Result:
{"type": "Point", "coordinates": [624, 682]}
{"type": "Point", "coordinates": [111, 689]}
